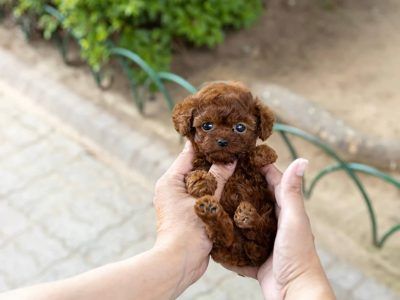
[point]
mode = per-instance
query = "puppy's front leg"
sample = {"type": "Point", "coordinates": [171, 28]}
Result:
{"type": "Point", "coordinates": [200, 183]}
{"type": "Point", "coordinates": [219, 225]}
{"type": "Point", "coordinates": [263, 155]}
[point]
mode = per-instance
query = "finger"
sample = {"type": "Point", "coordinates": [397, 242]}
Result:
{"type": "Point", "coordinates": [272, 175]}
{"type": "Point", "coordinates": [243, 271]}
{"type": "Point", "coordinates": [222, 174]}
{"type": "Point", "coordinates": [291, 186]}
{"type": "Point", "coordinates": [183, 163]}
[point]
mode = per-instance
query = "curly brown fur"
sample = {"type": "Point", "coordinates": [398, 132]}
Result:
{"type": "Point", "coordinates": [200, 183]}
{"type": "Point", "coordinates": [242, 225]}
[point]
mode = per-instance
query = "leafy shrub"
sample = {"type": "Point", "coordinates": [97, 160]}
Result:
{"type": "Point", "coordinates": [147, 27]}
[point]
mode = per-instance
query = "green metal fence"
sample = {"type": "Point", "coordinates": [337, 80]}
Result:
{"type": "Point", "coordinates": [128, 58]}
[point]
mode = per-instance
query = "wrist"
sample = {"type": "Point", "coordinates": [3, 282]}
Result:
{"type": "Point", "coordinates": [185, 262]}
{"type": "Point", "coordinates": [311, 284]}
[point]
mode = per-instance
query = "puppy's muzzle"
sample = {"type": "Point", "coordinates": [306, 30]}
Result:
{"type": "Point", "coordinates": [222, 143]}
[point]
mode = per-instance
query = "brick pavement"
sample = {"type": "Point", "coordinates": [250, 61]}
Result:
{"type": "Point", "coordinates": [67, 205]}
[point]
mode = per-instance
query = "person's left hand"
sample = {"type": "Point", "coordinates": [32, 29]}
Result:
{"type": "Point", "coordinates": [178, 227]}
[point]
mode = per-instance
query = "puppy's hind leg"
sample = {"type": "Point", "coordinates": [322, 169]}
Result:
{"type": "Point", "coordinates": [256, 227]}
{"type": "Point", "coordinates": [219, 226]}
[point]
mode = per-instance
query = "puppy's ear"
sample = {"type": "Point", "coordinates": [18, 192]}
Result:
{"type": "Point", "coordinates": [266, 120]}
{"type": "Point", "coordinates": [182, 116]}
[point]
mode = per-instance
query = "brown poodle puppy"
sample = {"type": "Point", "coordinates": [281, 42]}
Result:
{"type": "Point", "coordinates": [223, 122]}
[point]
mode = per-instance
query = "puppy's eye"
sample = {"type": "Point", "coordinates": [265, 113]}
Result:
{"type": "Point", "coordinates": [207, 126]}
{"type": "Point", "coordinates": [239, 127]}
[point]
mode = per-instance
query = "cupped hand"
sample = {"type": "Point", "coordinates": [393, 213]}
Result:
{"type": "Point", "coordinates": [294, 268]}
{"type": "Point", "coordinates": [178, 228]}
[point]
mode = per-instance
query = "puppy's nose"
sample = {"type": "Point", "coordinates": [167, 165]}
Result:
{"type": "Point", "coordinates": [222, 142]}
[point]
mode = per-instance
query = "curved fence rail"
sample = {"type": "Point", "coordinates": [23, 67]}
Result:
{"type": "Point", "coordinates": [351, 169]}
{"type": "Point", "coordinates": [128, 58]}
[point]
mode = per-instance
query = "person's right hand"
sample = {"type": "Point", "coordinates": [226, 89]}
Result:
{"type": "Point", "coordinates": [294, 270]}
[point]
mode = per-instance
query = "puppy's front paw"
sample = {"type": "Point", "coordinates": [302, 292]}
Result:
{"type": "Point", "coordinates": [246, 216]}
{"type": "Point", "coordinates": [263, 155]}
{"type": "Point", "coordinates": [200, 183]}
{"type": "Point", "coordinates": [207, 208]}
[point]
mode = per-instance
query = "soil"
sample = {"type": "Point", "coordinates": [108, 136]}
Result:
{"type": "Point", "coordinates": [345, 59]}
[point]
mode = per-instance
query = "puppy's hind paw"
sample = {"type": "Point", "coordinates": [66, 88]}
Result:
{"type": "Point", "coordinates": [246, 216]}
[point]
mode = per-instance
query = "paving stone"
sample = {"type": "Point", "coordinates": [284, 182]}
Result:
{"type": "Point", "coordinates": [213, 294]}
{"type": "Point", "coordinates": [344, 276]}
{"type": "Point", "coordinates": [128, 145]}
{"type": "Point", "coordinates": [67, 267]}
{"type": "Point", "coordinates": [44, 249]}
{"type": "Point", "coordinates": [6, 149]}
{"type": "Point", "coordinates": [113, 243]}
{"type": "Point", "coordinates": [201, 287]}
{"type": "Point", "coordinates": [19, 135]}
{"type": "Point", "coordinates": [9, 182]}
{"type": "Point", "coordinates": [66, 146]}
{"type": "Point", "coordinates": [86, 210]}
{"type": "Point", "coordinates": [326, 259]}
{"type": "Point", "coordinates": [139, 246]}
{"type": "Point", "coordinates": [11, 221]}
{"type": "Point", "coordinates": [369, 289]}
{"type": "Point", "coordinates": [104, 120]}
{"type": "Point", "coordinates": [34, 123]}
{"type": "Point", "coordinates": [13, 261]}
{"type": "Point", "coordinates": [150, 168]}
{"type": "Point", "coordinates": [87, 172]}
{"type": "Point", "coordinates": [215, 272]}
{"type": "Point", "coordinates": [3, 284]}
{"type": "Point", "coordinates": [65, 226]}
{"type": "Point", "coordinates": [239, 288]}
{"type": "Point", "coordinates": [31, 201]}
{"type": "Point", "coordinates": [119, 201]}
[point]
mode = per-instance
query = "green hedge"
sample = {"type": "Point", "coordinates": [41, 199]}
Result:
{"type": "Point", "coordinates": [147, 27]}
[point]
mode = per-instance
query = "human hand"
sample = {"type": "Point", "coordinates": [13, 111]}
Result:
{"type": "Point", "coordinates": [179, 230]}
{"type": "Point", "coordinates": [294, 269]}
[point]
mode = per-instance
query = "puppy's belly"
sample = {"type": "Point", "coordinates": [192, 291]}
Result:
{"type": "Point", "coordinates": [244, 186]}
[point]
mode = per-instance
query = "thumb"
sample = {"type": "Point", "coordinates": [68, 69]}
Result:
{"type": "Point", "coordinates": [222, 174]}
{"type": "Point", "coordinates": [291, 185]}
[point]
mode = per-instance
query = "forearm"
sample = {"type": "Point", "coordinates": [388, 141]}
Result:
{"type": "Point", "coordinates": [154, 274]}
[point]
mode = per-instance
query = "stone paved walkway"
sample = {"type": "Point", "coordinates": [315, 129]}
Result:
{"type": "Point", "coordinates": [66, 206]}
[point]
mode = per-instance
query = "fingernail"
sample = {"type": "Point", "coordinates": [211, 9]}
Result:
{"type": "Point", "coordinates": [301, 167]}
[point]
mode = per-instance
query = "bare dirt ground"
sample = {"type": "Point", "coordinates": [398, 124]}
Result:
{"type": "Point", "coordinates": [346, 60]}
